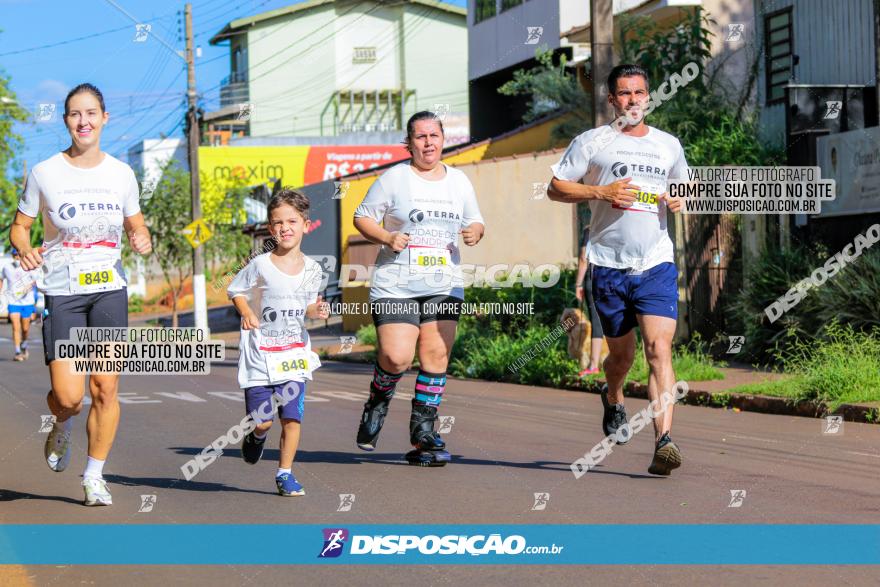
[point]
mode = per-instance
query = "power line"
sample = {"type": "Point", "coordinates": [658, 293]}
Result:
{"type": "Point", "coordinates": [146, 133]}
{"type": "Point", "coordinates": [150, 108]}
{"type": "Point", "coordinates": [222, 17]}
{"type": "Point", "coordinates": [77, 39]}
{"type": "Point", "coordinates": [59, 43]}
{"type": "Point", "coordinates": [136, 21]}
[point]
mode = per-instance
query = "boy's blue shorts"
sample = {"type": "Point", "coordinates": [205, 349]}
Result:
{"type": "Point", "coordinates": [25, 311]}
{"type": "Point", "coordinates": [620, 295]}
{"type": "Point", "coordinates": [289, 397]}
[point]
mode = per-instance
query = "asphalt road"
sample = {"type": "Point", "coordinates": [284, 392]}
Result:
{"type": "Point", "coordinates": [508, 442]}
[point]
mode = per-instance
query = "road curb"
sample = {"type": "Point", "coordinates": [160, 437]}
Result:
{"type": "Point", "coordinates": [764, 404]}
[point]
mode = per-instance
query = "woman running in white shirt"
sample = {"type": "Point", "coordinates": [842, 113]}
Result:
{"type": "Point", "coordinates": [87, 199]}
{"type": "Point", "coordinates": [423, 206]}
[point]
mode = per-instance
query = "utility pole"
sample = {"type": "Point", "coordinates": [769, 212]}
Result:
{"type": "Point", "coordinates": [200, 306]}
{"type": "Point", "coordinates": [602, 56]}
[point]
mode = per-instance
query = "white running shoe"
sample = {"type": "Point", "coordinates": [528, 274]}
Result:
{"type": "Point", "coordinates": [96, 491]}
{"type": "Point", "coordinates": [57, 449]}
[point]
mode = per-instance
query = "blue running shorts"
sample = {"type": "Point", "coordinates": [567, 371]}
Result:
{"type": "Point", "coordinates": [621, 294]}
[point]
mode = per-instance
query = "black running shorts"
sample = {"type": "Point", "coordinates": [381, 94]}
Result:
{"type": "Point", "coordinates": [415, 311]}
{"type": "Point", "coordinates": [102, 309]}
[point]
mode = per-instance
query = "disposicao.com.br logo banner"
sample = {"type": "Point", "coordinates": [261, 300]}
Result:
{"type": "Point", "coordinates": [480, 544]}
{"type": "Point", "coordinates": [430, 543]}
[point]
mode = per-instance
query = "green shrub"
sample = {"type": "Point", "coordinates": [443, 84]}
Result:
{"type": "Point", "coordinates": [853, 295]}
{"type": "Point", "coordinates": [135, 303]}
{"type": "Point", "coordinates": [366, 334]}
{"type": "Point", "coordinates": [769, 277]}
{"type": "Point", "coordinates": [495, 358]}
{"type": "Point", "coordinates": [548, 304]}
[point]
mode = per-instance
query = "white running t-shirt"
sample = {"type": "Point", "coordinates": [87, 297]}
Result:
{"type": "Point", "coordinates": [276, 349]}
{"type": "Point", "coordinates": [433, 214]}
{"type": "Point", "coordinates": [19, 287]}
{"type": "Point", "coordinates": [83, 212]}
{"type": "Point", "coordinates": [635, 237]}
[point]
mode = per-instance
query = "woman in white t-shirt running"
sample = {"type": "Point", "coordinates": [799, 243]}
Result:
{"type": "Point", "coordinates": [87, 198]}
{"type": "Point", "coordinates": [416, 293]}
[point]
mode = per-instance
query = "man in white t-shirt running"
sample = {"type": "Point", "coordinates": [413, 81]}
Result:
{"type": "Point", "coordinates": [19, 292]}
{"type": "Point", "coordinates": [622, 170]}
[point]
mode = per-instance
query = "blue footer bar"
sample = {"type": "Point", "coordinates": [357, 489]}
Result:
{"type": "Point", "coordinates": [641, 544]}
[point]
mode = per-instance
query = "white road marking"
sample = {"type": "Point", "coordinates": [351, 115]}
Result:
{"type": "Point", "coordinates": [233, 395]}
{"type": "Point", "coordinates": [754, 438]}
{"type": "Point", "coordinates": [182, 395]}
{"type": "Point", "coordinates": [863, 454]}
{"type": "Point", "coordinates": [131, 397]}
{"type": "Point", "coordinates": [346, 395]}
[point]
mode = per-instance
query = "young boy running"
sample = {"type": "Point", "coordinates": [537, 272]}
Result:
{"type": "Point", "coordinates": [274, 294]}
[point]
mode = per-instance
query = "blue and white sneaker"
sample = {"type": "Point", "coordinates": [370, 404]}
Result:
{"type": "Point", "coordinates": [288, 485]}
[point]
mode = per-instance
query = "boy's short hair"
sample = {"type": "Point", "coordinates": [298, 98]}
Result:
{"type": "Point", "coordinates": [298, 200]}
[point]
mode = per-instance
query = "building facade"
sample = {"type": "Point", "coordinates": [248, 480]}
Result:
{"type": "Point", "coordinates": [330, 68]}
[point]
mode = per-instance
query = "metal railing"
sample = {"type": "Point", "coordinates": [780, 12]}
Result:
{"type": "Point", "coordinates": [234, 89]}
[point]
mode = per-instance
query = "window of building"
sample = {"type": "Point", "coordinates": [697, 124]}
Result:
{"type": "Point", "coordinates": [484, 9]}
{"type": "Point", "coordinates": [364, 55]}
{"type": "Point", "coordinates": [778, 39]}
{"type": "Point", "coordinates": [508, 4]}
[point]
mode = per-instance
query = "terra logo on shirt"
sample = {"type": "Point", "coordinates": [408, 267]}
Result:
{"type": "Point", "coordinates": [67, 211]}
{"type": "Point", "coordinates": [269, 314]}
{"type": "Point", "coordinates": [619, 169]}
{"type": "Point", "coordinates": [416, 215]}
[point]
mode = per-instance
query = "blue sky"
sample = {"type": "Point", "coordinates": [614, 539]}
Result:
{"type": "Point", "coordinates": [144, 83]}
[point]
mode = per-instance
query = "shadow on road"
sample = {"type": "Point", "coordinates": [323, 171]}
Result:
{"type": "Point", "coordinates": [10, 495]}
{"type": "Point", "coordinates": [630, 475]}
{"type": "Point", "coordinates": [177, 483]}
{"type": "Point", "coordinates": [388, 458]}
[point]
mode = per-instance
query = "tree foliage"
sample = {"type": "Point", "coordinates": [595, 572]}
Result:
{"type": "Point", "coordinates": [552, 89]}
{"type": "Point", "coordinates": [10, 169]}
{"type": "Point", "coordinates": [705, 115]}
{"type": "Point", "coordinates": [168, 210]}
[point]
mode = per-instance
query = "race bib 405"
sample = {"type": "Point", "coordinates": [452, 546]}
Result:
{"type": "Point", "coordinates": [645, 202]}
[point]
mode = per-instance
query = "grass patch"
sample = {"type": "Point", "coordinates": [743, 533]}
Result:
{"type": "Point", "coordinates": [842, 367]}
{"type": "Point", "coordinates": [690, 362]}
